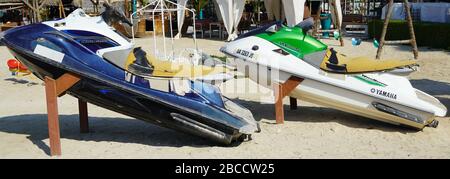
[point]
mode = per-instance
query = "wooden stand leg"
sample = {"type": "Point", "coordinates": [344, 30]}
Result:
{"type": "Point", "coordinates": [53, 89]}
{"type": "Point", "coordinates": [293, 103]}
{"type": "Point", "coordinates": [279, 112]}
{"type": "Point", "coordinates": [411, 29]}
{"type": "Point", "coordinates": [385, 26]}
{"type": "Point", "coordinates": [52, 112]}
{"type": "Point", "coordinates": [282, 90]}
{"type": "Point", "coordinates": [84, 122]}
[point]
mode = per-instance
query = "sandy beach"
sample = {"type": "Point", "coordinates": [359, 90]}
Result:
{"type": "Point", "coordinates": [310, 132]}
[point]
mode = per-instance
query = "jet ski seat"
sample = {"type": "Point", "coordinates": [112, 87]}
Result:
{"type": "Point", "coordinates": [339, 63]}
{"type": "Point", "coordinates": [140, 63]}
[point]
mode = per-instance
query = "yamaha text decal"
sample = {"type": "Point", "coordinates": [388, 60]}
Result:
{"type": "Point", "coordinates": [384, 93]}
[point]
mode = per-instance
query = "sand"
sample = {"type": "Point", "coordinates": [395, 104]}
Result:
{"type": "Point", "coordinates": [310, 132]}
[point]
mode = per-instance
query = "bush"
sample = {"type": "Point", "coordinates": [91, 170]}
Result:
{"type": "Point", "coordinates": [435, 35]}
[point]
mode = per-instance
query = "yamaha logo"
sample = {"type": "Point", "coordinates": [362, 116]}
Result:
{"type": "Point", "coordinates": [384, 93]}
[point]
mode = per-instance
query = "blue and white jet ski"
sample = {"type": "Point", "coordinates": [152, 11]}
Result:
{"type": "Point", "coordinates": [118, 76]}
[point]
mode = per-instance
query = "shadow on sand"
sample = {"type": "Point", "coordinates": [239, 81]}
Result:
{"type": "Point", "coordinates": [438, 89]}
{"type": "Point", "coordinates": [21, 81]}
{"type": "Point", "coordinates": [408, 48]}
{"type": "Point", "coordinates": [101, 129]}
{"type": "Point", "coordinates": [321, 115]}
{"type": "Point", "coordinates": [134, 131]}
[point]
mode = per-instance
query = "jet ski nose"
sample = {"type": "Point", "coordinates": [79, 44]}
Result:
{"type": "Point", "coordinates": [250, 128]}
{"type": "Point", "coordinates": [251, 125]}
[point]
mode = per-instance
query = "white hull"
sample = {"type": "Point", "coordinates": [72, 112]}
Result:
{"type": "Point", "coordinates": [343, 92]}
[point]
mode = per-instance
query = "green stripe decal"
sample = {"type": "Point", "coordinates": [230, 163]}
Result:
{"type": "Point", "coordinates": [369, 81]}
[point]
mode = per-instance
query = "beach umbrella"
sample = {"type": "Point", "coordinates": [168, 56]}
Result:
{"type": "Point", "coordinates": [273, 9]}
{"type": "Point", "coordinates": [231, 11]}
{"type": "Point", "coordinates": [294, 10]}
{"type": "Point", "coordinates": [180, 15]}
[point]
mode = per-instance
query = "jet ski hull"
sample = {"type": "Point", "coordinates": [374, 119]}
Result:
{"type": "Point", "coordinates": [348, 101]}
{"type": "Point", "coordinates": [359, 104]}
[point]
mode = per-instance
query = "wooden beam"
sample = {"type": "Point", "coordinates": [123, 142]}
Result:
{"type": "Point", "coordinates": [391, 42]}
{"type": "Point", "coordinates": [411, 29]}
{"type": "Point", "coordinates": [293, 103]}
{"type": "Point", "coordinates": [281, 91]}
{"type": "Point", "coordinates": [385, 26]}
{"type": "Point", "coordinates": [52, 115]}
{"type": "Point", "coordinates": [83, 112]}
{"type": "Point", "coordinates": [279, 112]}
{"type": "Point", "coordinates": [53, 89]}
{"type": "Point", "coordinates": [65, 82]}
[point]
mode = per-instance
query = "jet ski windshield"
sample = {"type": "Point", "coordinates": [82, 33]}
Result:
{"type": "Point", "coordinates": [259, 30]}
{"type": "Point", "coordinates": [112, 14]}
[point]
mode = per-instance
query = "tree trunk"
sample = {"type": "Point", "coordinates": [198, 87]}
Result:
{"type": "Point", "coordinates": [39, 18]}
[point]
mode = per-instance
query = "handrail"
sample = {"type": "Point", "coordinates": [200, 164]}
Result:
{"type": "Point", "coordinates": [163, 8]}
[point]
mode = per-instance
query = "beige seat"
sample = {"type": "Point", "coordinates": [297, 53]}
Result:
{"type": "Point", "coordinates": [169, 69]}
{"type": "Point", "coordinates": [339, 63]}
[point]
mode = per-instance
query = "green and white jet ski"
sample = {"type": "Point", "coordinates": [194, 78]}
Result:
{"type": "Point", "coordinates": [362, 86]}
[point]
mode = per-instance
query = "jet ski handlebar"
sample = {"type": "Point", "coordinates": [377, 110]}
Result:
{"type": "Point", "coordinates": [113, 14]}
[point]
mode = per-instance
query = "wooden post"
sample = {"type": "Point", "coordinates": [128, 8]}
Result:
{"type": "Point", "coordinates": [385, 26]}
{"type": "Point", "coordinates": [84, 123]}
{"type": "Point", "coordinates": [279, 112]}
{"type": "Point", "coordinates": [411, 41]}
{"type": "Point", "coordinates": [293, 103]}
{"type": "Point", "coordinates": [338, 22]}
{"type": "Point", "coordinates": [281, 91]}
{"type": "Point", "coordinates": [52, 115]}
{"type": "Point", "coordinates": [62, 13]}
{"type": "Point", "coordinates": [411, 29]}
{"type": "Point", "coordinates": [53, 89]}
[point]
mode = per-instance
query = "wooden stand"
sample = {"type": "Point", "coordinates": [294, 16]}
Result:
{"type": "Point", "coordinates": [53, 90]}
{"type": "Point", "coordinates": [281, 91]}
{"type": "Point", "coordinates": [411, 41]}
